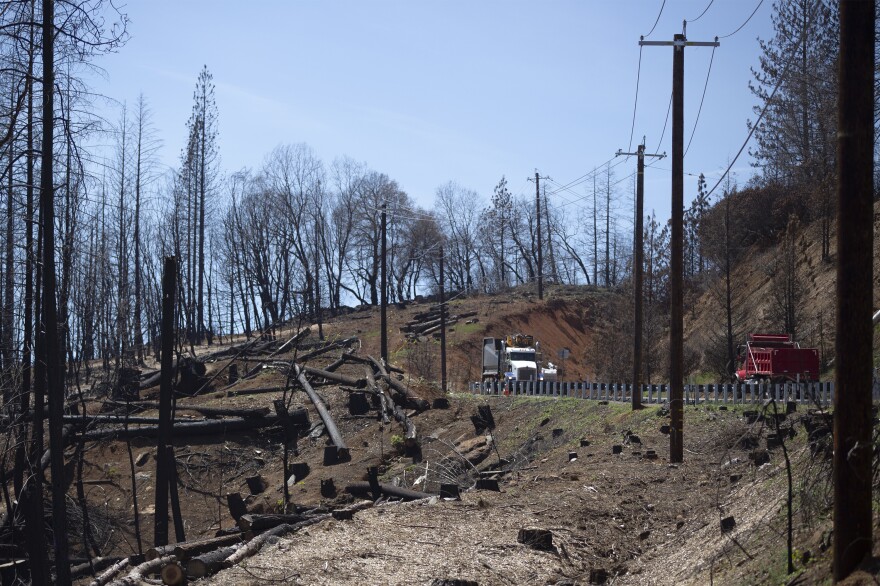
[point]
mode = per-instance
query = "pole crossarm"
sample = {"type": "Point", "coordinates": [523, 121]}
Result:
{"type": "Point", "coordinates": [684, 43]}
{"type": "Point", "coordinates": [639, 154]}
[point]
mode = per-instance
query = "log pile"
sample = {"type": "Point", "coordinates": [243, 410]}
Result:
{"type": "Point", "coordinates": [176, 562]}
{"type": "Point", "coordinates": [428, 322]}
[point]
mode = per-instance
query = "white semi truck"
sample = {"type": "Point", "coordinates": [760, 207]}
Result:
{"type": "Point", "coordinates": [516, 357]}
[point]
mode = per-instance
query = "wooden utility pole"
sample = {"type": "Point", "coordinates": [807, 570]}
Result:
{"type": "Point", "coordinates": [676, 279]}
{"type": "Point", "coordinates": [852, 400]}
{"type": "Point", "coordinates": [383, 294]}
{"type": "Point", "coordinates": [442, 325]}
{"type": "Point", "coordinates": [169, 288]}
{"type": "Point", "coordinates": [540, 270]}
{"type": "Point", "coordinates": [638, 269]}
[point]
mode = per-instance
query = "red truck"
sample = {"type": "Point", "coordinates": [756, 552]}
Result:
{"type": "Point", "coordinates": [776, 358]}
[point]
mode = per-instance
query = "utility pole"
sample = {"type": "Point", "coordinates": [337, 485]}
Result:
{"type": "Point", "coordinates": [595, 232]}
{"type": "Point", "coordinates": [852, 398]}
{"type": "Point", "coordinates": [540, 269]}
{"type": "Point", "coordinates": [383, 295]}
{"type": "Point", "coordinates": [676, 281]}
{"type": "Point", "coordinates": [442, 325]}
{"type": "Point", "coordinates": [638, 268]}
{"type": "Point", "coordinates": [538, 218]}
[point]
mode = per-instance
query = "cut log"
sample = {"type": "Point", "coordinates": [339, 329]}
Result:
{"type": "Point", "coordinates": [172, 574]}
{"type": "Point", "coordinates": [97, 564]}
{"type": "Point", "coordinates": [191, 549]}
{"type": "Point", "coordinates": [364, 489]}
{"type": "Point", "coordinates": [90, 420]}
{"type": "Point", "coordinates": [158, 552]}
{"type": "Point", "coordinates": [357, 383]}
{"type": "Point", "coordinates": [254, 545]}
{"type": "Point", "coordinates": [258, 523]}
{"type": "Point", "coordinates": [256, 391]}
{"type": "Point", "coordinates": [208, 427]}
{"type": "Point", "coordinates": [341, 449]}
{"type": "Point", "coordinates": [140, 572]}
{"type": "Point", "coordinates": [111, 572]}
{"type": "Point", "coordinates": [209, 411]}
{"type": "Point", "coordinates": [327, 347]}
{"type": "Point", "coordinates": [209, 563]}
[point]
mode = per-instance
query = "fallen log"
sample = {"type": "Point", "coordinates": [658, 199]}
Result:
{"type": "Point", "coordinates": [406, 396]}
{"type": "Point", "coordinates": [335, 364]}
{"type": "Point", "coordinates": [206, 427]}
{"type": "Point", "coordinates": [140, 572]}
{"type": "Point", "coordinates": [209, 563]}
{"type": "Point", "coordinates": [364, 489]}
{"type": "Point", "coordinates": [209, 411]}
{"type": "Point", "coordinates": [255, 544]}
{"type": "Point", "coordinates": [341, 449]}
{"type": "Point", "coordinates": [432, 329]}
{"type": "Point", "coordinates": [97, 565]}
{"type": "Point", "coordinates": [190, 549]}
{"type": "Point", "coordinates": [327, 348]}
{"type": "Point", "coordinates": [118, 419]}
{"type": "Point", "coordinates": [256, 391]}
{"type": "Point", "coordinates": [430, 314]}
{"type": "Point", "coordinates": [409, 428]}
{"type": "Point", "coordinates": [421, 327]}
{"type": "Point", "coordinates": [358, 383]}
{"type": "Point", "coordinates": [258, 523]}
{"type": "Point", "coordinates": [296, 338]}
{"type": "Point", "coordinates": [372, 362]}
{"type": "Point", "coordinates": [385, 404]}
{"type": "Point", "coordinates": [111, 572]}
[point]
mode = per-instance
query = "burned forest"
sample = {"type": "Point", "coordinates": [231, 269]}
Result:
{"type": "Point", "coordinates": [323, 293]}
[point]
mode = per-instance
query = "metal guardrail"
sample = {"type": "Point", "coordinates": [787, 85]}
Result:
{"type": "Point", "coordinates": [817, 393]}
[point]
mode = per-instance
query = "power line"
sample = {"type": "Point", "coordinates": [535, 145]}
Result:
{"type": "Point", "coordinates": [700, 109]}
{"type": "Point", "coordinates": [656, 21]}
{"type": "Point", "coordinates": [704, 11]}
{"type": "Point", "coordinates": [587, 176]}
{"type": "Point", "coordinates": [665, 122]}
{"type": "Point", "coordinates": [746, 22]}
{"type": "Point", "coordinates": [636, 103]}
{"type": "Point", "coordinates": [761, 115]}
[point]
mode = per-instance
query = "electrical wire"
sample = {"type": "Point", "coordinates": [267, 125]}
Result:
{"type": "Point", "coordinates": [656, 21]}
{"type": "Point", "coordinates": [760, 116]}
{"type": "Point", "coordinates": [700, 109]}
{"type": "Point", "coordinates": [636, 103]}
{"type": "Point", "coordinates": [745, 23]}
{"type": "Point", "coordinates": [590, 175]}
{"type": "Point", "coordinates": [586, 176]}
{"type": "Point", "coordinates": [702, 13]}
{"type": "Point", "coordinates": [665, 123]}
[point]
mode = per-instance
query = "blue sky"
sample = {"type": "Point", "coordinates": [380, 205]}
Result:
{"type": "Point", "coordinates": [430, 91]}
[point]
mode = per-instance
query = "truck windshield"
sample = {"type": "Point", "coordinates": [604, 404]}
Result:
{"type": "Point", "coordinates": [524, 356]}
